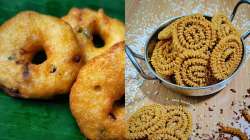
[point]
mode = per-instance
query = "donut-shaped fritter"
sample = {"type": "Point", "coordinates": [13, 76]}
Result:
{"type": "Point", "coordinates": [94, 96]}
{"type": "Point", "coordinates": [21, 38]}
{"type": "Point", "coordinates": [87, 23]}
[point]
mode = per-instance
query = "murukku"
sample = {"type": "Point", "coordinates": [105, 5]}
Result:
{"type": "Point", "coordinates": [166, 33]}
{"type": "Point", "coordinates": [201, 52]}
{"type": "Point", "coordinates": [193, 33]}
{"type": "Point", "coordinates": [192, 69]}
{"type": "Point", "coordinates": [226, 57]}
{"type": "Point", "coordinates": [179, 120]}
{"type": "Point", "coordinates": [223, 26]}
{"type": "Point", "coordinates": [246, 115]}
{"type": "Point", "coordinates": [163, 58]}
{"type": "Point", "coordinates": [233, 131]}
{"type": "Point", "coordinates": [155, 122]}
{"type": "Point", "coordinates": [178, 125]}
{"type": "Point", "coordinates": [165, 134]}
{"type": "Point", "coordinates": [146, 121]}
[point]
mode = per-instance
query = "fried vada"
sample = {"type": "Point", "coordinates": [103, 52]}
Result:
{"type": "Point", "coordinates": [22, 37]}
{"type": "Point", "coordinates": [89, 25]}
{"type": "Point", "coordinates": [97, 96]}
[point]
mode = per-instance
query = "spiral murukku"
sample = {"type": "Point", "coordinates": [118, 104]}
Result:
{"type": "Point", "coordinates": [192, 69]}
{"type": "Point", "coordinates": [223, 26]}
{"type": "Point", "coordinates": [233, 131]}
{"type": "Point", "coordinates": [155, 122]}
{"type": "Point", "coordinates": [193, 33]}
{"type": "Point", "coordinates": [163, 58]}
{"type": "Point", "coordinates": [178, 125]}
{"type": "Point", "coordinates": [226, 57]}
{"type": "Point", "coordinates": [146, 121]}
{"type": "Point", "coordinates": [166, 33]}
{"type": "Point", "coordinates": [179, 120]}
{"type": "Point", "coordinates": [201, 52]}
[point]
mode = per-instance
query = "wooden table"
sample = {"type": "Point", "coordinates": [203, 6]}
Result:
{"type": "Point", "coordinates": [142, 17]}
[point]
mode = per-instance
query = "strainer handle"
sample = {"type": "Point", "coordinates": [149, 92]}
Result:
{"type": "Point", "coordinates": [246, 34]}
{"type": "Point", "coordinates": [236, 7]}
{"type": "Point", "coordinates": [132, 57]}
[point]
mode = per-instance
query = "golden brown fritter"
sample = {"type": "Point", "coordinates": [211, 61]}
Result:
{"type": "Point", "coordinates": [21, 38]}
{"type": "Point", "coordinates": [94, 96]}
{"type": "Point", "coordinates": [87, 23]}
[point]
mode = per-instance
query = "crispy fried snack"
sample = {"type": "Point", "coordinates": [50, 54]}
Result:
{"type": "Point", "coordinates": [226, 57]}
{"type": "Point", "coordinates": [166, 33]}
{"type": "Point", "coordinates": [177, 126]}
{"type": "Point", "coordinates": [156, 122]}
{"type": "Point", "coordinates": [163, 58]}
{"type": "Point", "coordinates": [146, 121]}
{"type": "Point", "coordinates": [94, 96]}
{"type": "Point", "coordinates": [246, 115]}
{"type": "Point", "coordinates": [193, 33]}
{"type": "Point", "coordinates": [223, 26]}
{"type": "Point", "coordinates": [201, 52]}
{"type": "Point", "coordinates": [87, 23]}
{"type": "Point", "coordinates": [233, 131]}
{"type": "Point", "coordinates": [21, 38]}
{"type": "Point", "coordinates": [192, 69]}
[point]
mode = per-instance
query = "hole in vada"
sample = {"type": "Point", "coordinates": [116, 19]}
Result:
{"type": "Point", "coordinates": [77, 58]}
{"type": "Point", "coordinates": [97, 88]}
{"type": "Point", "coordinates": [98, 41]}
{"type": "Point", "coordinates": [39, 57]}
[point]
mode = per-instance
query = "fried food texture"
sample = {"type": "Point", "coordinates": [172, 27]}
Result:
{"type": "Point", "coordinates": [233, 131]}
{"type": "Point", "coordinates": [196, 51]}
{"type": "Point", "coordinates": [193, 33]}
{"type": "Point", "coordinates": [226, 57]}
{"type": "Point", "coordinates": [246, 115]}
{"type": "Point", "coordinates": [21, 38]}
{"type": "Point", "coordinates": [146, 121]}
{"type": "Point", "coordinates": [156, 122]}
{"type": "Point", "coordinates": [192, 69]}
{"type": "Point", "coordinates": [96, 96]}
{"type": "Point", "coordinates": [163, 58]}
{"type": "Point", "coordinates": [88, 25]}
{"type": "Point", "coordinates": [223, 26]}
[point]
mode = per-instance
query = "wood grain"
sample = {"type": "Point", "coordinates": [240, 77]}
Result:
{"type": "Point", "coordinates": [142, 17]}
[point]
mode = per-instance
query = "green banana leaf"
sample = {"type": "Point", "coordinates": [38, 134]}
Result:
{"type": "Point", "coordinates": [39, 120]}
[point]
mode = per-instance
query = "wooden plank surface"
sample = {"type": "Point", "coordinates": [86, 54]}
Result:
{"type": "Point", "coordinates": [142, 17]}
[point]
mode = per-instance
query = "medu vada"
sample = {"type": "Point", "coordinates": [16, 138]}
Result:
{"type": "Point", "coordinates": [89, 25]}
{"type": "Point", "coordinates": [97, 96]}
{"type": "Point", "coordinates": [21, 38]}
